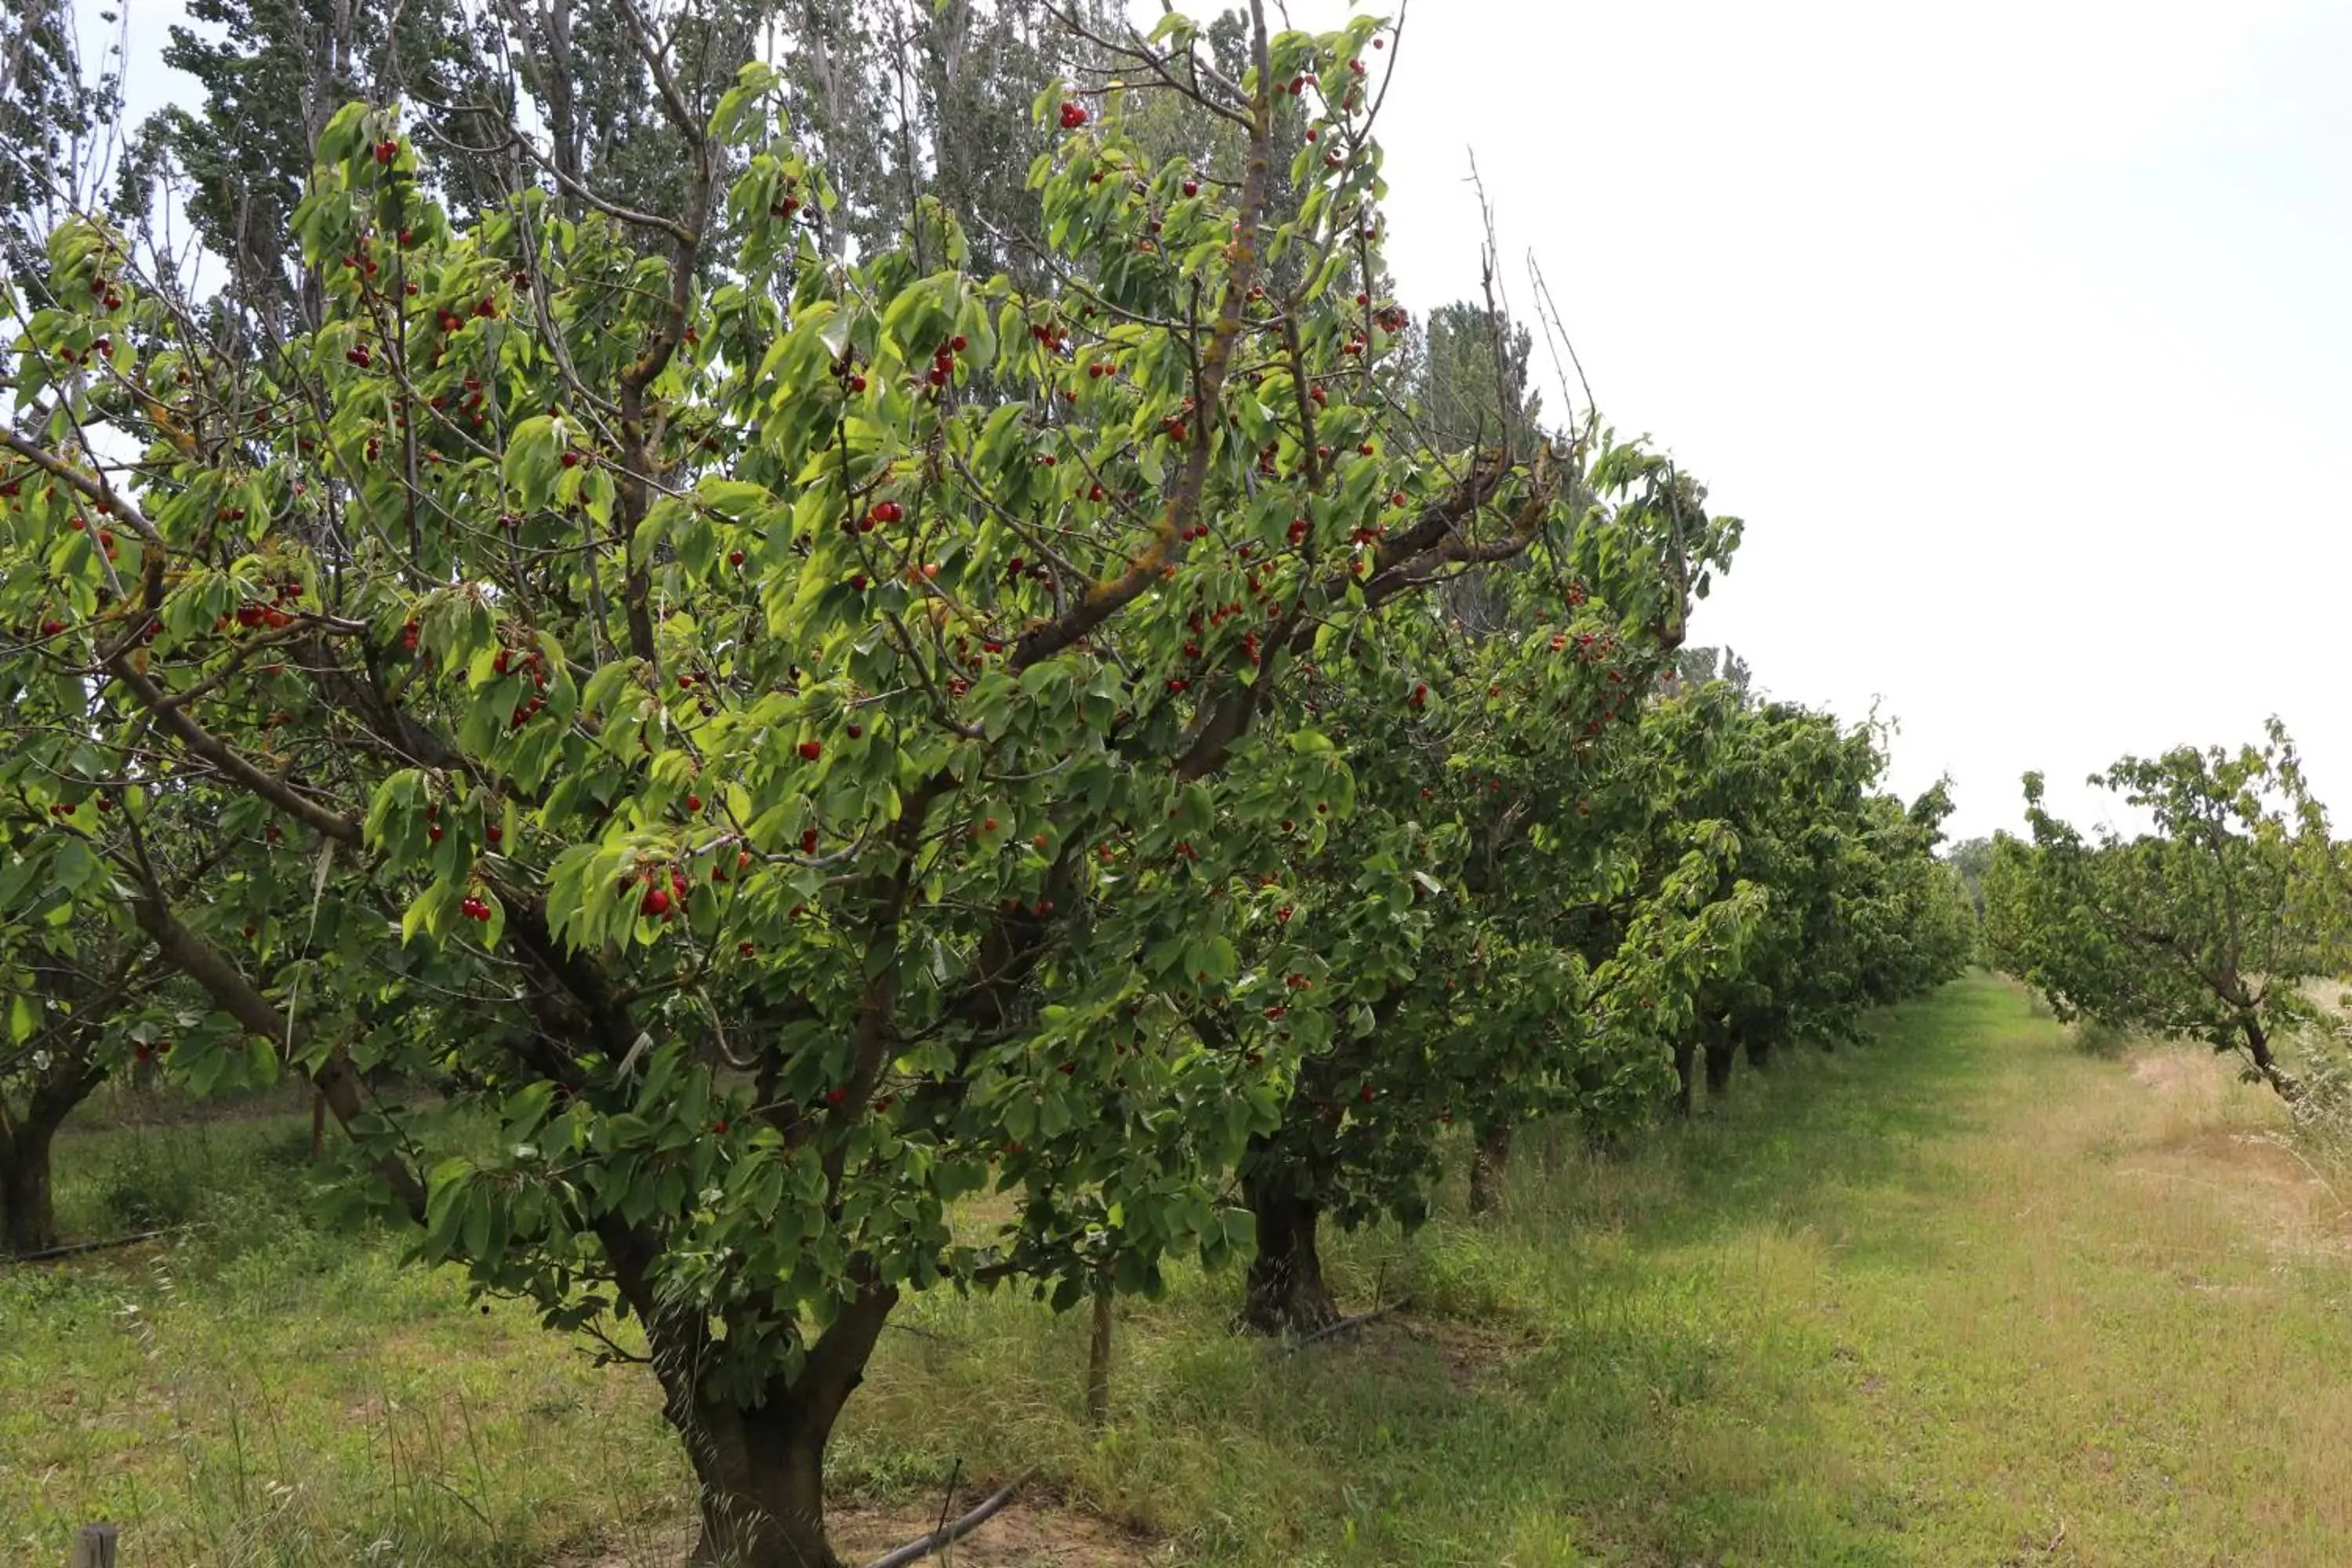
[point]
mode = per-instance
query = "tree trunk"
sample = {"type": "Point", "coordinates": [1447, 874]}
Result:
{"type": "Point", "coordinates": [28, 1215]}
{"type": "Point", "coordinates": [1284, 1291]}
{"type": "Point", "coordinates": [2258, 1046]}
{"type": "Point", "coordinates": [1686, 1053]}
{"type": "Point", "coordinates": [1098, 1359]}
{"type": "Point", "coordinates": [1720, 1055]}
{"type": "Point", "coordinates": [762, 1481]}
{"type": "Point", "coordinates": [1759, 1052]}
{"type": "Point", "coordinates": [1489, 1161]}
{"type": "Point", "coordinates": [760, 1465]}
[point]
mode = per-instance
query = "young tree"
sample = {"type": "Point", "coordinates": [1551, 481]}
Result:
{"type": "Point", "coordinates": [2205, 928]}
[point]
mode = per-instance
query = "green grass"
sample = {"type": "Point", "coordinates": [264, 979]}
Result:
{"type": "Point", "coordinates": [1966, 1295]}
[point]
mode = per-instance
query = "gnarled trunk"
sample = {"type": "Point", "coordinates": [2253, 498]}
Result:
{"type": "Point", "coordinates": [1284, 1291]}
{"type": "Point", "coordinates": [761, 1475]}
{"type": "Point", "coordinates": [1686, 1055]}
{"type": "Point", "coordinates": [1489, 1161]}
{"type": "Point", "coordinates": [760, 1463]}
{"type": "Point", "coordinates": [28, 1215]}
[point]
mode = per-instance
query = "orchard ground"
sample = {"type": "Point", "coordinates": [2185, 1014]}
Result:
{"type": "Point", "coordinates": [1967, 1294]}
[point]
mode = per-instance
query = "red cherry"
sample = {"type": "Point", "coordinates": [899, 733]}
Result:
{"type": "Point", "coordinates": [657, 902]}
{"type": "Point", "coordinates": [1192, 188]}
{"type": "Point", "coordinates": [808, 841]}
{"type": "Point", "coordinates": [744, 948]}
{"type": "Point", "coordinates": [835, 1096]}
{"type": "Point", "coordinates": [811, 750]}
{"type": "Point", "coordinates": [1365, 1094]}
{"type": "Point", "coordinates": [694, 802]}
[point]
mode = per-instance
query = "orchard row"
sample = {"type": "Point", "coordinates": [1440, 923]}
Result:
{"type": "Point", "coordinates": [793, 742]}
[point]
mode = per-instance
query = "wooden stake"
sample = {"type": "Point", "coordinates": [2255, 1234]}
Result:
{"type": "Point", "coordinates": [1098, 1359]}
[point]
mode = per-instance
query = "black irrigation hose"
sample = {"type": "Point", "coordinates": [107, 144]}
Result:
{"type": "Point", "coordinates": [1344, 1324]}
{"type": "Point", "coordinates": [954, 1530]}
{"type": "Point", "coordinates": [69, 1249]}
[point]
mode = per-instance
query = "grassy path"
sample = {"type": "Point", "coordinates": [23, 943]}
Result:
{"type": "Point", "coordinates": [1964, 1296]}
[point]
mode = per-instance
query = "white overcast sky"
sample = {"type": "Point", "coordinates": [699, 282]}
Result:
{"type": "Point", "coordinates": [2019, 333]}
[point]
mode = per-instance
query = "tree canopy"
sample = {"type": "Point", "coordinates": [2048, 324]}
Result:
{"type": "Point", "coordinates": [759, 708]}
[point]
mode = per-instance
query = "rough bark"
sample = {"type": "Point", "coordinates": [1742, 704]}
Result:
{"type": "Point", "coordinates": [1285, 1292]}
{"type": "Point", "coordinates": [760, 1465]}
{"type": "Point", "coordinates": [761, 1474]}
{"type": "Point", "coordinates": [28, 1219]}
{"type": "Point", "coordinates": [1489, 1161]}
